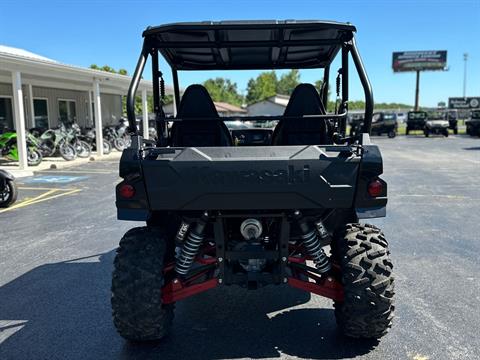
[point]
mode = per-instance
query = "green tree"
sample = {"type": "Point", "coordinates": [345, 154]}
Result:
{"type": "Point", "coordinates": [221, 89]}
{"type": "Point", "coordinates": [262, 87]}
{"type": "Point", "coordinates": [109, 69]}
{"type": "Point", "coordinates": [287, 82]}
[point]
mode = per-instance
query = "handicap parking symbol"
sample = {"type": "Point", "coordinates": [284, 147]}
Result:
{"type": "Point", "coordinates": [53, 179]}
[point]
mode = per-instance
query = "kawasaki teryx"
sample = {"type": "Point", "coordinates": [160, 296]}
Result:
{"type": "Point", "coordinates": [218, 214]}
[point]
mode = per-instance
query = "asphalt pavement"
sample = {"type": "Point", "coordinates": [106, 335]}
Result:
{"type": "Point", "coordinates": [58, 243]}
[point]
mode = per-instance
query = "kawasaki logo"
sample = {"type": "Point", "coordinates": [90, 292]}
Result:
{"type": "Point", "coordinates": [288, 176]}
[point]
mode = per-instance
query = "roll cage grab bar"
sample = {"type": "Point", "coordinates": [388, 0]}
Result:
{"type": "Point", "coordinates": [347, 47]}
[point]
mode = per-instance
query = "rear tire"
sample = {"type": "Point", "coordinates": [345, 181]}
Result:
{"type": "Point", "coordinates": [9, 195]}
{"type": "Point", "coordinates": [367, 310]}
{"type": "Point", "coordinates": [445, 133]}
{"type": "Point", "coordinates": [407, 130]}
{"type": "Point", "coordinates": [426, 132]}
{"type": "Point", "coordinates": [138, 312]}
{"type": "Point", "coordinates": [392, 134]}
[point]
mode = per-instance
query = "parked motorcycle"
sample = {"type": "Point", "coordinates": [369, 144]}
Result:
{"type": "Point", "coordinates": [8, 189]}
{"type": "Point", "coordinates": [113, 137]}
{"type": "Point", "coordinates": [89, 135]}
{"type": "Point", "coordinates": [9, 149]}
{"type": "Point", "coordinates": [73, 134]}
{"type": "Point", "coordinates": [55, 140]}
{"type": "Point", "coordinates": [118, 134]}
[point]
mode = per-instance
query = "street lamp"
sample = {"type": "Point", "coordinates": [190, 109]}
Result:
{"type": "Point", "coordinates": [465, 58]}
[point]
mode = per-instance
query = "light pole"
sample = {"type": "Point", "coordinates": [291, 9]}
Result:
{"type": "Point", "coordinates": [465, 58]}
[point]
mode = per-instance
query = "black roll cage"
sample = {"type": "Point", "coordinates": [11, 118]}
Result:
{"type": "Point", "coordinates": [347, 47]}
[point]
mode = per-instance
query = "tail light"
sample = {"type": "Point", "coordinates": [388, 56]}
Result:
{"type": "Point", "coordinates": [375, 188]}
{"type": "Point", "coordinates": [126, 191]}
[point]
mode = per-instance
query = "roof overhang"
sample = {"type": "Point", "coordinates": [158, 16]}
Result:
{"type": "Point", "coordinates": [52, 74]}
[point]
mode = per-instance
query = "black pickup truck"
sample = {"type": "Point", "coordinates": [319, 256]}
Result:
{"type": "Point", "coordinates": [218, 214]}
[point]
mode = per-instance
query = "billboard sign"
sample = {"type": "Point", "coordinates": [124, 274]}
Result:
{"type": "Point", "coordinates": [464, 103]}
{"type": "Point", "coordinates": [419, 60]}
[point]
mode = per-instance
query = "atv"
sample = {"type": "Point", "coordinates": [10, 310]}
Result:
{"type": "Point", "coordinates": [416, 120]}
{"type": "Point", "coordinates": [217, 214]}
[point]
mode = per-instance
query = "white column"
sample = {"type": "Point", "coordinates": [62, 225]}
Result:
{"type": "Point", "coordinates": [32, 108]}
{"type": "Point", "coordinates": [19, 119]}
{"type": "Point", "coordinates": [98, 117]}
{"type": "Point", "coordinates": [90, 112]}
{"type": "Point", "coordinates": [145, 113]}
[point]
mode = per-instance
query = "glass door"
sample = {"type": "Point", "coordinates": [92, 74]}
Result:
{"type": "Point", "coordinates": [6, 114]}
{"type": "Point", "coordinates": [40, 108]}
{"type": "Point", "coordinates": [67, 111]}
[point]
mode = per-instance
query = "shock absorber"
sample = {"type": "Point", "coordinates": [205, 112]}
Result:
{"type": "Point", "coordinates": [191, 246]}
{"type": "Point", "coordinates": [312, 244]}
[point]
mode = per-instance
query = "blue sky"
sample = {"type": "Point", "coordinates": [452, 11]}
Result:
{"type": "Point", "coordinates": [108, 32]}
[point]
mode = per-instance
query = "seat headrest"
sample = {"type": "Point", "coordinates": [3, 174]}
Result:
{"type": "Point", "coordinates": [304, 101]}
{"type": "Point", "coordinates": [196, 103]}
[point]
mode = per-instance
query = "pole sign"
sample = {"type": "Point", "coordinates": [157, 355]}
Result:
{"type": "Point", "coordinates": [465, 103]}
{"type": "Point", "coordinates": [419, 60]}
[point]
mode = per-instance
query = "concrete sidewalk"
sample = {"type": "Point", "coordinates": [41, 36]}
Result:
{"type": "Point", "coordinates": [56, 163]}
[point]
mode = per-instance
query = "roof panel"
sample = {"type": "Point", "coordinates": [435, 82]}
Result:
{"type": "Point", "coordinates": [249, 44]}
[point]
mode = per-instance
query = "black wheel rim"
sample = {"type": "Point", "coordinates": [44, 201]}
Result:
{"type": "Point", "coordinates": [5, 194]}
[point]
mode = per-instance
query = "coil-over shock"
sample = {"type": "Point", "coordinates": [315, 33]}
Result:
{"type": "Point", "coordinates": [312, 244]}
{"type": "Point", "coordinates": [191, 246]}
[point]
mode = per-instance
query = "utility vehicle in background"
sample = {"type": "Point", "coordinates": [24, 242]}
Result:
{"type": "Point", "coordinates": [436, 123]}
{"type": "Point", "coordinates": [416, 120]}
{"type": "Point", "coordinates": [382, 123]}
{"type": "Point", "coordinates": [217, 214]}
{"type": "Point", "coordinates": [473, 123]}
{"type": "Point", "coordinates": [452, 118]}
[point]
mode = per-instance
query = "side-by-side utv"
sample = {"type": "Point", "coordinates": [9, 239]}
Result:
{"type": "Point", "coordinates": [217, 214]}
{"type": "Point", "coordinates": [382, 123]}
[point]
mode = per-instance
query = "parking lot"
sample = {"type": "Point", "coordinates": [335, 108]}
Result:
{"type": "Point", "coordinates": [58, 243]}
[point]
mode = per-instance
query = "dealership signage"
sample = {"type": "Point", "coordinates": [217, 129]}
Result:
{"type": "Point", "coordinates": [419, 60]}
{"type": "Point", "coordinates": [464, 103]}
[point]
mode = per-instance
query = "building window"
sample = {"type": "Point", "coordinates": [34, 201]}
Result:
{"type": "Point", "coordinates": [6, 114]}
{"type": "Point", "coordinates": [40, 107]}
{"type": "Point", "coordinates": [67, 111]}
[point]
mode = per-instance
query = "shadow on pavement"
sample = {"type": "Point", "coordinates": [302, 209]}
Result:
{"type": "Point", "coordinates": [472, 148]}
{"type": "Point", "coordinates": [62, 311]}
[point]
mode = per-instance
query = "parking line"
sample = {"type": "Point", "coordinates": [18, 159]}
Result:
{"type": "Point", "coordinates": [76, 171]}
{"type": "Point", "coordinates": [41, 198]}
{"type": "Point", "coordinates": [40, 188]}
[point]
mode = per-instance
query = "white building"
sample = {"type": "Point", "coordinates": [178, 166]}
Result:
{"type": "Point", "coordinates": [274, 105]}
{"type": "Point", "coordinates": [39, 92]}
{"type": "Point", "coordinates": [223, 109]}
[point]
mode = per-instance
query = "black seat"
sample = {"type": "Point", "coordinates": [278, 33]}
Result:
{"type": "Point", "coordinates": [197, 103]}
{"type": "Point", "coordinates": [304, 101]}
